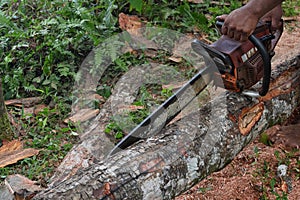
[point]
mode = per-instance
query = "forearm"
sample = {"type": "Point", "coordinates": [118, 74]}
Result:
{"type": "Point", "coordinates": [260, 7]}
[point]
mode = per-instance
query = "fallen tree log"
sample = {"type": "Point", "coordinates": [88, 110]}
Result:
{"type": "Point", "coordinates": [186, 151]}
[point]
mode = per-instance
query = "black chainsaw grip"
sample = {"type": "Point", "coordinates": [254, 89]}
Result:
{"type": "Point", "coordinates": [267, 64]}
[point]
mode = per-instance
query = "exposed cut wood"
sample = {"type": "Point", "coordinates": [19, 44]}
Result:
{"type": "Point", "coordinates": [183, 153]}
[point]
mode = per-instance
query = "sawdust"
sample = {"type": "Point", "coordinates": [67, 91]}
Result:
{"type": "Point", "coordinates": [252, 174]}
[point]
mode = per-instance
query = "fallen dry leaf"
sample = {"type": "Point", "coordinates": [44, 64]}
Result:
{"type": "Point", "coordinates": [284, 187]}
{"type": "Point", "coordinates": [130, 24]}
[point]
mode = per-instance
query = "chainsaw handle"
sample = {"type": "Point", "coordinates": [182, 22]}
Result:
{"type": "Point", "coordinates": [267, 64]}
{"type": "Point", "coordinates": [266, 60]}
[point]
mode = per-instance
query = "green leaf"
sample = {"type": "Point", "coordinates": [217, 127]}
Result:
{"type": "Point", "coordinates": [119, 135]}
{"type": "Point", "coordinates": [107, 130]}
{"type": "Point", "coordinates": [5, 21]}
{"type": "Point", "coordinates": [36, 79]}
{"type": "Point", "coordinates": [136, 4]}
{"type": "Point", "coordinates": [264, 138]}
{"type": "Point", "coordinates": [53, 85]}
{"type": "Point", "coordinates": [46, 82]}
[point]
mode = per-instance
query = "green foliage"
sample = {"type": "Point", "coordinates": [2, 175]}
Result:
{"type": "Point", "coordinates": [44, 133]}
{"type": "Point", "coordinates": [176, 15]}
{"type": "Point", "coordinates": [291, 8]}
{"type": "Point", "coordinates": [114, 128]}
{"type": "Point", "coordinates": [266, 172]}
{"type": "Point", "coordinates": [264, 138]}
{"type": "Point", "coordinates": [136, 4]}
{"type": "Point", "coordinates": [45, 42]}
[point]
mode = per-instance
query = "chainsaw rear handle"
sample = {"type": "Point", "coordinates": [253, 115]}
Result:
{"type": "Point", "coordinates": [267, 64]}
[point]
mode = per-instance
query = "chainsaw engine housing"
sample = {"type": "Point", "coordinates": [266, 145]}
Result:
{"type": "Point", "coordinates": [240, 64]}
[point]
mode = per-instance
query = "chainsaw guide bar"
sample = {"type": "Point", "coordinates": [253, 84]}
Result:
{"type": "Point", "coordinates": [230, 64]}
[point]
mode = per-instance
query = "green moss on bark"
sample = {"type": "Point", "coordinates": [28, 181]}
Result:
{"type": "Point", "coordinates": [6, 132]}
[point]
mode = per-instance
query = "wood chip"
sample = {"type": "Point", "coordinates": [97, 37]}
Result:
{"type": "Point", "coordinates": [175, 59]}
{"type": "Point", "coordinates": [26, 102]}
{"type": "Point", "coordinates": [11, 146]}
{"type": "Point", "coordinates": [82, 115]}
{"type": "Point", "coordinates": [196, 1]}
{"type": "Point", "coordinates": [173, 86]}
{"type": "Point", "coordinates": [131, 108]}
{"type": "Point", "coordinates": [13, 151]}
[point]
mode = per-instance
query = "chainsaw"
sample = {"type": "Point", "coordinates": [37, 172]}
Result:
{"type": "Point", "coordinates": [240, 65]}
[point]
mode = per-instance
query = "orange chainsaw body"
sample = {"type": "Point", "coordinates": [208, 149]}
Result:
{"type": "Point", "coordinates": [240, 64]}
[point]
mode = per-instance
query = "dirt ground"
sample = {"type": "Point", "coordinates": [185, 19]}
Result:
{"type": "Point", "coordinates": [253, 173]}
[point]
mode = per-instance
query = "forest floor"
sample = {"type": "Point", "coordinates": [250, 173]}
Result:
{"type": "Point", "coordinates": [253, 173]}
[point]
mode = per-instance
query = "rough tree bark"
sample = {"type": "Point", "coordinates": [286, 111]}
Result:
{"type": "Point", "coordinates": [6, 132]}
{"type": "Point", "coordinates": [186, 151]}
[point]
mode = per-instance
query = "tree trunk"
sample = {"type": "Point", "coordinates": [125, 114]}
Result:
{"type": "Point", "coordinates": [6, 132]}
{"type": "Point", "coordinates": [186, 151]}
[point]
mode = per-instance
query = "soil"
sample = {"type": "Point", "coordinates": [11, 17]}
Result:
{"type": "Point", "coordinates": [253, 173]}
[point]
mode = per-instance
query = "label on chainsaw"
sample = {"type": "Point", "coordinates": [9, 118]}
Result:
{"type": "Point", "coordinates": [249, 54]}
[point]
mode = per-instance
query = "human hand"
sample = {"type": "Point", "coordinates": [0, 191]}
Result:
{"type": "Point", "coordinates": [239, 24]}
{"type": "Point", "coordinates": [274, 16]}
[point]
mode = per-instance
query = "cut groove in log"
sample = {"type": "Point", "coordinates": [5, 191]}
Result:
{"type": "Point", "coordinates": [185, 152]}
